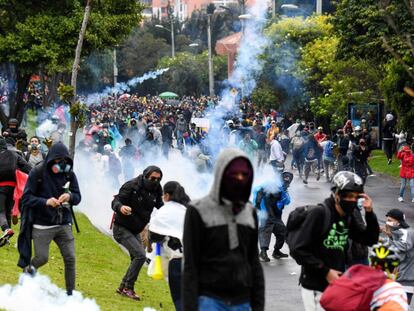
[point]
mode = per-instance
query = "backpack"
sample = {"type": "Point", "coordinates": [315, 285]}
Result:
{"type": "Point", "coordinates": [353, 290]}
{"type": "Point", "coordinates": [298, 143]}
{"type": "Point", "coordinates": [8, 164]}
{"type": "Point", "coordinates": [297, 218]}
{"type": "Point", "coordinates": [329, 150]}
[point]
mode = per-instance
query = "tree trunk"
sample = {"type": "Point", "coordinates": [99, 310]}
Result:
{"type": "Point", "coordinates": [73, 122]}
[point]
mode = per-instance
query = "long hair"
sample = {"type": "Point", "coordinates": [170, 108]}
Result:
{"type": "Point", "coordinates": [177, 193]}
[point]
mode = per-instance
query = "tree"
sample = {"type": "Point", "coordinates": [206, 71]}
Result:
{"type": "Point", "coordinates": [43, 34]}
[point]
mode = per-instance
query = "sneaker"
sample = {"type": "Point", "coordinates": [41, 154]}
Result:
{"type": "Point", "coordinates": [389, 161]}
{"type": "Point", "coordinates": [277, 254]}
{"type": "Point", "coordinates": [400, 199]}
{"type": "Point", "coordinates": [4, 239]}
{"type": "Point", "coordinates": [263, 256]}
{"type": "Point", "coordinates": [130, 294]}
{"type": "Point", "coordinates": [119, 290]}
{"type": "Point", "coordinates": [30, 270]}
{"type": "Point", "coordinates": [318, 176]}
{"type": "Point", "coordinates": [305, 181]}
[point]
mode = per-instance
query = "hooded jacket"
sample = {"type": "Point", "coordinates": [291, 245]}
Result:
{"type": "Point", "coordinates": [142, 202]}
{"type": "Point", "coordinates": [220, 248]}
{"type": "Point", "coordinates": [318, 251]}
{"type": "Point", "coordinates": [9, 162]}
{"type": "Point", "coordinates": [407, 162]}
{"type": "Point", "coordinates": [403, 240]}
{"type": "Point", "coordinates": [43, 184]}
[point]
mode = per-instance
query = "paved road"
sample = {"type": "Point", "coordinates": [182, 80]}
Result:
{"type": "Point", "coordinates": [282, 290]}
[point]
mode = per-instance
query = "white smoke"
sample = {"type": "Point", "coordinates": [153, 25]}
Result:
{"type": "Point", "coordinates": [39, 293]}
{"type": "Point", "coordinates": [124, 87]}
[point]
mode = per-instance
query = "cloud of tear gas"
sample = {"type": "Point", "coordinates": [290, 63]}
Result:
{"type": "Point", "coordinates": [124, 87]}
{"type": "Point", "coordinates": [39, 293]}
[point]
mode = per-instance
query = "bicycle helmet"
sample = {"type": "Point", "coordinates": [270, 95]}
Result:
{"type": "Point", "coordinates": [347, 181]}
{"type": "Point", "coordinates": [384, 257]}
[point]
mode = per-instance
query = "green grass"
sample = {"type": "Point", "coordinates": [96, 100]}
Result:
{"type": "Point", "coordinates": [378, 164]}
{"type": "Point", "coordinates": [100, 266]}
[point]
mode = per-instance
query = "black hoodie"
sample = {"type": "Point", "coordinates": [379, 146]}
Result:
{"type": "Point", "coordinates": [142, 202]}
{"type": "Point", "coordinates": [43, 184]}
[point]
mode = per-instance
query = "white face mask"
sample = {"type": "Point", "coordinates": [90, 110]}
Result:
{"type": "Point", "coordinates": [392, 224]}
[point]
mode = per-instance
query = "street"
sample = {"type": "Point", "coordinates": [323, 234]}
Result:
{"type": "Point", "coordinates": [282, 289]}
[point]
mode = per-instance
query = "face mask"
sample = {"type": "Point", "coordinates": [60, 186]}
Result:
{"type": "Point", "coordinates": [303, 123]}
{"type": "Point", "coordinates": [33, 147]}
{"type": "Point", "coordinates": [151, 185]}
{"type": "Point", "coordinates": [61, 167]}
{"type": "Point", "coordinates": [348, 206]}
{"type": "Point", "coordinates": [392, 225]}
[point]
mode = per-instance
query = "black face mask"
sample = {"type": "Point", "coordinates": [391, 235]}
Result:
{"type": "Point", "coordinates": [348, 206]}
{"type": "Point", "coordinates": [151, 185]}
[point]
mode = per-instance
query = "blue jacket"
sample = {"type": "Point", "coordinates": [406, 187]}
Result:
{"type": "Point", "coordinates": [272, 203]}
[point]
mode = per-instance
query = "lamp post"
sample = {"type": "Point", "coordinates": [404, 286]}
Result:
{"type": "Point", "coordinates": [319, 7]}
{"type": "Point", "coordinates": [172, 36]}
{"type": "Point", "coordinates": [115, 68]}
{"type": "Point", "coordinates": [210, 58]}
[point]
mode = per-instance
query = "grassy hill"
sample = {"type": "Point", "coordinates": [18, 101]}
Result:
{"type": "Point", "coordinates": [100, 267]}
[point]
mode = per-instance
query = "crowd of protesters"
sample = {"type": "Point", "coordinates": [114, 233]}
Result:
{"type": "Point", "coordinates": [121, 131]}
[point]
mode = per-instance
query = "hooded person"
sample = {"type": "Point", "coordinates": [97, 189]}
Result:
{"type": "Point", "coordinates": [14, 132]}
{"type": "Point", "coordinates": [9, 162]}
{"type": "Point", "coordinates": [221, 263]}
{"type": "Point", "coordinates": [133, 206]}
{"type": "Point", "coordinates": [46, 196]}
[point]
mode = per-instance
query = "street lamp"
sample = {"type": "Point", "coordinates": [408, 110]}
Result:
{"type": "Point", "coordinates": [172, 36]}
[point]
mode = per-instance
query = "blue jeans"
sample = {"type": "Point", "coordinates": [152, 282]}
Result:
{"type": "Point", "coordinates": [211, 304]}
{"type": "Point", "coordinates": [404, 183]}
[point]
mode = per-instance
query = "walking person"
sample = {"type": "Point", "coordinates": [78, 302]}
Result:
{"type": "Point", "coordinates": [221, 235]}
{"type": "Point", "coordinates": [270, 200]}
{"type": "Point", "coordinates": [401, 236]}
{"type": "Point", "coordinates": [9, 162]}
{"type": "Point", "coordinates": [167, 227]}
{"type": "Point", "coordinates": [406, 171]}
{"type": "Point", "coordinates": [361, 154]}
{"type": "Point", "coordinates": [133, 206]}
{"type": "Point", "coordinates": [388, 133]}
{"type": "Point", "coordinates": [46, 196]}
{"type": "Point", "coordinates": [318, 243]}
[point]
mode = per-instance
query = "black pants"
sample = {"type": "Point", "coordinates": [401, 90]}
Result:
{"type": "Point", "coordinates": [174, 281]}
{"type": "Point", "coordinates": [409, 297]}
{"type": "Point", "coordinates": [273, 225]}
{"type": "Point", "coordinates": [132, 242]}
{"type": "Point", "coordinates": [6, 206]}
{"type": "Point", "coordinates": [388, 144]}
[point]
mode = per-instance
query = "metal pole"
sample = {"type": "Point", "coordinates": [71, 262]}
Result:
{"type": "Point", "coordinates": [274, 8]}
{"type": "Point", "coordinates": [210, 59]}
{"type": "Point", "coordinates": [319, 7]}
{"type": "Point", "coordinates": [115, 69]}
{"type": "Point", "coordinates": [172, 39]}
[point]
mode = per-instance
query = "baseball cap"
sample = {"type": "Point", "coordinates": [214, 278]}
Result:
{"type": "Point", "coordinates": [398, 215]}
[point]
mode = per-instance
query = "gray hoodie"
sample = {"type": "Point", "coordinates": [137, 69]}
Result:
{"type": "Point", "coordinates": [403, 240]}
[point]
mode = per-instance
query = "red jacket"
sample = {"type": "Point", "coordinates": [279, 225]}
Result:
{"type": "Point", "coordinates": [407, 162]}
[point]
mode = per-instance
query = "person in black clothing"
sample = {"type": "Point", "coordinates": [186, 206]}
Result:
{"type": "Point", "coordinates": [167, 137]}
{"type": "Point", "coordinates": [47, 199]}
{"type": "Point", "coordinates": [14, 132]}
{"type": "Point", "coordinates": [133, 206]}
{"type": "Point", "coordinates": [9, 162]}
{"type": "Point", "coordinates": [322, 254]}
{"type": "Point", "coordinates": [343, 145]}
{"type": "Point", "coordinates": [221, 235]}
{"type": "Point", "coordinates": [388, 132]}
{"type": "Point", "coordinates": [127, 154]}
{"type": "Point", "coordinates": [361, 154]}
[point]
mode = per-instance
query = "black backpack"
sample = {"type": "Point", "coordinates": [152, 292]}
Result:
{"type": "Point", "coordinates": [297, 218]}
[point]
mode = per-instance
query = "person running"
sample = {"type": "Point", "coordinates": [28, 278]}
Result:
{"type": "Point", "coordinates": [167, 227]}
{"type": "Point", "coordinates": [9, 162]}
{"type": "Point", "coordinates": [220, 235]}
{"type": "Point", "coordinates": [46, 197]}
{"type": "Point", "coordinates": [328, 157]}
{"type": "Point", "coordinates": [401, 236]}
{"type": "Point", "coordinates": [271, 200]}
{"type": "Point", "coordinates": [312, 153]}
{"type": "Point", "coordinates": [321, 240]}
{"type": "Point", "coordinates": [277, 156]}
{"type": "Point", "coordinates": [406, 156]}
{"type": "Point", "coordinates": [133, 206]}
{"type": "Point", "coordinates": [361, 154]}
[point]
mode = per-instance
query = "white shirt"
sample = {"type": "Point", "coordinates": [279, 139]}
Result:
{"type": "Point", "coordinates": [276, 152]}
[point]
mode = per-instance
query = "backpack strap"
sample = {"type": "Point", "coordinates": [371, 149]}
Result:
{"type": "Point", "coordinates": [326, 219]}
